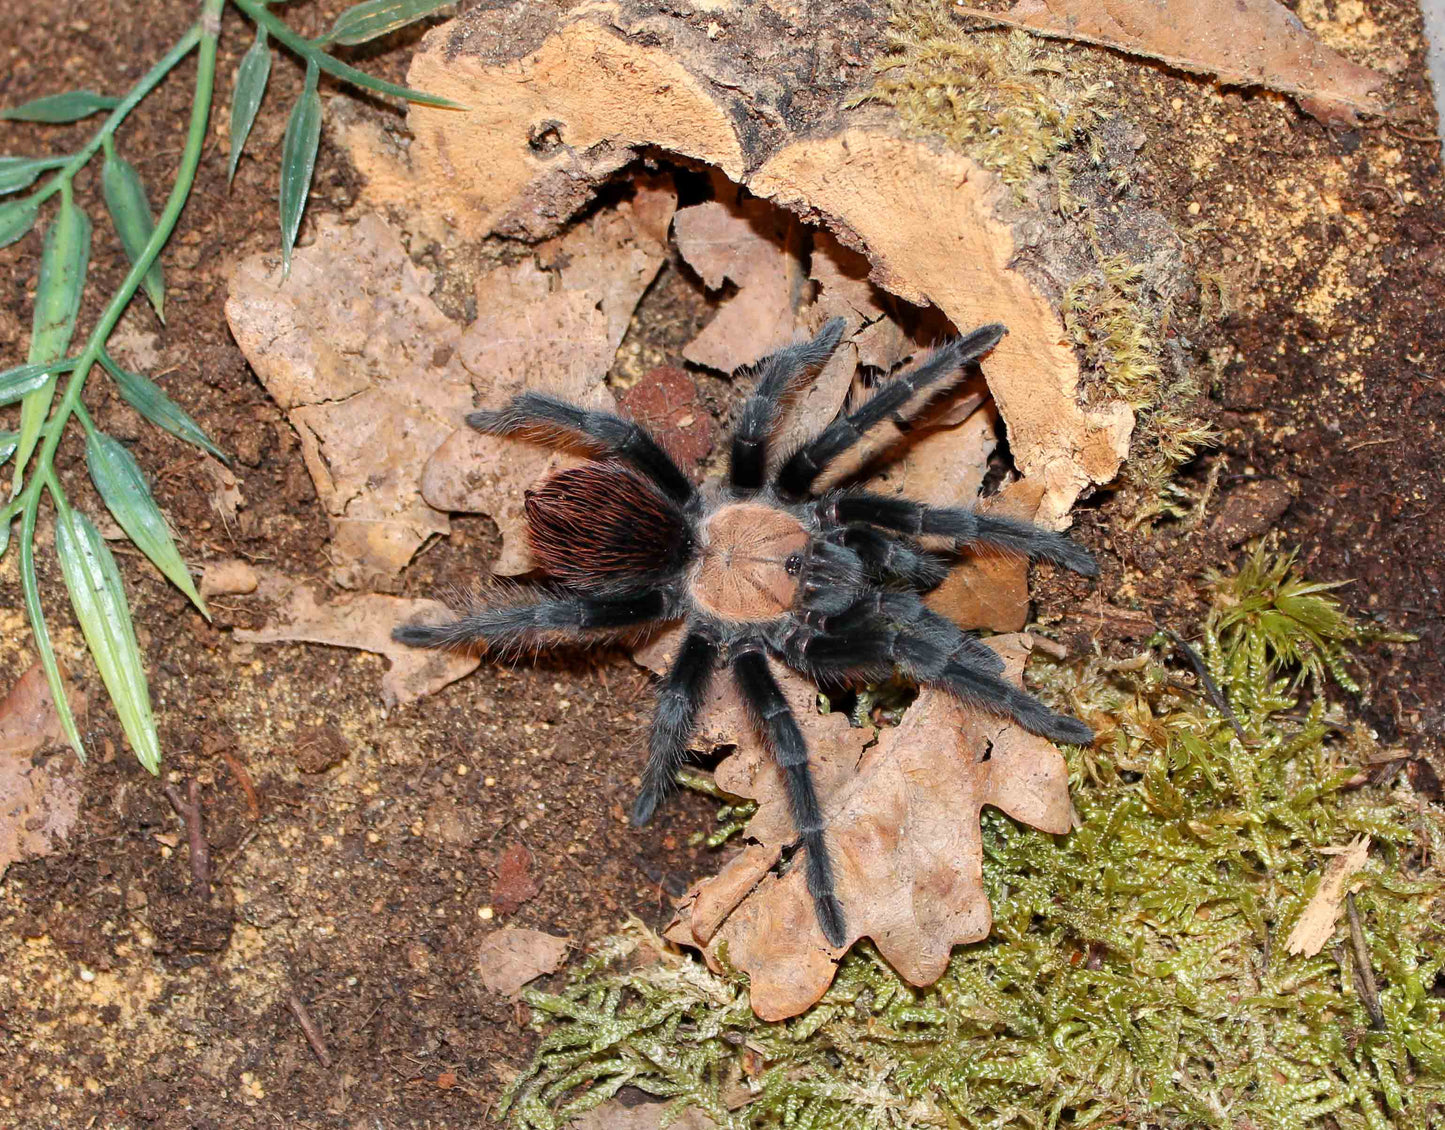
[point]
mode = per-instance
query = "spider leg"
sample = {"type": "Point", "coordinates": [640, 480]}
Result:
{"type": "Point", "coordinates": [765, 699]}
{"type": "Point", "coordinates": [887, 557]}
{"type": "Point", "coordinates": [611, 434]}
{"type": "Point", "coordinates": [964, 527]}
{"type": "Point", "coordinates": [795, 477]}
{"type": "Point", "coordinates": [515, 624]}
{"type": "Point", "coordinates": [778, 373]}
{"type": "Point", "coordinates": [673, 721]}
{"type": "Point", "coordinates": [989, 692]}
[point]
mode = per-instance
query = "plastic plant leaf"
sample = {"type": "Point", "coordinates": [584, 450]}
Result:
{"type": "Point", "coordinates": [21, 381]}
{"type": "Point", "coordinates": [298, 161]}
{"type": "Point", "coordinates": [20, 172]}
{"type": "Point", "coordinates": [101, 608]}
{"type": "Point", "coordinates": [251, 78]}
{"type": "Point", "coordinates": [147, 398]}
{"type": "Point", "coordinates": [55, 109]}
{"type": "Point", "coordinates": [121, 484]}
{"type": "Point", "coordinates": [16, 218]}
{"type": "Point", "coordinates": [130, 211]}
{"type": "Point", "coordinates": [30, 588]}
{"type": "Point", "coordinates": [64, 259]}
{"type": "Point", "coordinates": [374, 18]}
{"type": "Point", "coordinates": [8, 444]}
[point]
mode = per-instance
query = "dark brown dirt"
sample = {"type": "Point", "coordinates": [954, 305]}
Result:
{"type": "Point", "coordinates": [365, 879]}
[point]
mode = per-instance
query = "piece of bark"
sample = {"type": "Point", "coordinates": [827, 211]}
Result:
{"type": "Point", "coordinates": [546, 126]}
{"type": "Point", "coordinates": [1316, 924]}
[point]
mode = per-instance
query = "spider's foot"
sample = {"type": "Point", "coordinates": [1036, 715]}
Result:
{"type": "Point", "coordinates": [421, 635]}
{"type": "Point", "coordinates": [645, 806]}
{"type": "Point", "coordinates": [830, 918]}
{"type": "Point", "coordinates": [1062, 728]}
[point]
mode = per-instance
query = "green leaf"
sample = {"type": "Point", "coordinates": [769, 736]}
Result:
{"type": "Point", "coordinates": [16, 218]}
{"type": "Point", "coordinates": [9, 441]}
{"type": "Point", "coordinates": [146, 397]}
{"type": "Point", "coordinates": [298, 161]}
{"type": "Point", "coordinates": [251, 78]}
{"type": "Point", "coordinates": [63, 262]}
{"type": "Point", "coordinates": [100, 606]}
{"type": "Point", "coordinates": [121, 484]}
{"type": "Point", "coordinates": [36, 615]}
{"type": "Point", "coordinates": [20, 172]}
{"type": "Point", "coordinates": [57, 108]}
{"type": "Point", "coordinates": [377, 17]}
{"type": "Point", "coordinates": [130, 212]}
{"type": "Point", "coordinates": [21, 381]}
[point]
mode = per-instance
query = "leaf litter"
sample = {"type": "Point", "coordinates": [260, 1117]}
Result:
{"type": "Point", "coordinates": [381, 420]}
{"type": "Point", "coordinates": [39, 799]}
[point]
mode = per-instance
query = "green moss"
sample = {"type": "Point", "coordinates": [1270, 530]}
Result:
{"type": "Point", "coordinates": [1002, 98]}
{"type": "Point", "coordinates": [1136, 974]}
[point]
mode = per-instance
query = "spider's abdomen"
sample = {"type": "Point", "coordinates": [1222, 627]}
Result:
{"type": "Point", "coordinates": [602, 526]}
{"type": "Point", "coordinates": [751, 557]}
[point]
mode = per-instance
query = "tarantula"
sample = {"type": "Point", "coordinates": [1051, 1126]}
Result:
{"type": "Point", "coordinates": [758, 567]}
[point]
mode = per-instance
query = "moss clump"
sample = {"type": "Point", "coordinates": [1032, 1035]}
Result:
{"type": "Point", "coordinates": [999, 97]}
{"type": "Point", "coordinates": [1136, 973]}
{"type": "Point", "coordinates": [1118, 324]}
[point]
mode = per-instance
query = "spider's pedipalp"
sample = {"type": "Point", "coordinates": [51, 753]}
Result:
{"type": "Point", "coordinates": [510, 625]}
{"type": "Point", "coordinates": [673, 721]}
{"type": "Point", "coordinates": [963, 527]}
{"type": "Point", "coordinates": [611, 434]}
{"type": "Point", "coordinates": [796, 476]}
{"type": "Point", "coordinates": [778, 374]}
{"type": "Point", "coordinates": [764, 698]}
{"type": "Point", "coordinates": [889, 558]}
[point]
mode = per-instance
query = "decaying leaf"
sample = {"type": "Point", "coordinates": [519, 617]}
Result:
{"type": "Point", "coordinates": [1241, 42]}
{"type": "Point", "coordinates": [512, 956]}
{"type": "Point", "coordinates": [365, 366]}
{"type": "Point", "coordinates": [229, 577]}
{"type": "Point", "coordinates": [903, 826]}
{"type": "Point", "coordinates": [1316, 924]}
{"type": "Point", "coordinates": [666, 402]}
{"type": "Point", "coordinates": [366, 621]}
{"type": "Point", "coordinates": [515, 882]}
{"type": "Point", "coordinates": [39, 803]}
{"type": "Point", "coordinates": [644, 1116]}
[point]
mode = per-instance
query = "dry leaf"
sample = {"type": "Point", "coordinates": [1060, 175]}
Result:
{"type": "Point", "coordinates": [666, 402]}
{"type": "Point", "coordinates": [754, 246]}
{"type": "Point", "coordinates": [231, 577]}
{"type": "Point", "coordinates": [903, 826]}
{"type": "Point", "coordinates": [366, 622]}
{"type": "Point", "coordinates": [614, 1115]}
{"type": "Point", "coordinates": [1241, 42]}
{"type": "Point", "coordinates": [364, 364]}
{"type": "Point", "coordinates": [38, 803]}
{"type": "Point", "coordinates": [512, 956]}
{"type": "Point", "coordinates": [515, 883]}
{"type": "Point", "coordinates": [1316, 924]}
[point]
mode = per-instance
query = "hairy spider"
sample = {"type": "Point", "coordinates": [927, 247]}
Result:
{"type": "Point", "coordinates": [758, 566]}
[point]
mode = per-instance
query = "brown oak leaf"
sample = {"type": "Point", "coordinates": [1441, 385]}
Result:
{"type": "Point", "coordinates": [904, 832]}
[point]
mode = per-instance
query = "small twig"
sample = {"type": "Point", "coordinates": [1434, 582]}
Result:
{"type": "Point", "coordinates": [1364, 974]}
{"type": "Point", "coordinates": [1211, 688]}
{"type": "Point", "coordinates": [308, 1027]}
{"type": "Point", "coordinates": [1368, 443]}
{"type": "Point", "coordinates": [190, 812]}
{"type": "Point", "coordinates": [248, 786]}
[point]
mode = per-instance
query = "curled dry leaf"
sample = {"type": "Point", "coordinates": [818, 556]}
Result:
{"type": "Point", "coordinates": [1241, 42]}
{"type": "Point", "coordinates": [903, 826]}
{"type": "Point", "coordinates": [39, 803]}
{"type": "Point", "coordinates": [1316, 924]}
{"type": "Point", "coordinates": [366, 622]}
{"type": "Point", "coordinates": [512, 956]}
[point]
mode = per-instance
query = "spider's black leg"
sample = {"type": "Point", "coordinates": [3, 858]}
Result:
{"type": "Point", "coordinates": [510, 625]}
{"type": "Point", "coordinates": [887, 557]}
{"type": "Point", "coordinates": [612, 434]}
{"type": "Point", "coordinates": [964, 527]}
{"type": "Point", "coordinates": [795, 477]}
{"type": "Point", "coordinates": [765, 699]}
{"type": "Point", "coordinates": [674, 720]}
{"type": "Point", "coordinates": [777, 374]}
{"type": "Point", "coordinates": [989, 692]}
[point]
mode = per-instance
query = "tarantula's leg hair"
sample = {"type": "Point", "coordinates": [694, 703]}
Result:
{"type": "Point", "coordinates": [988, 691]}
{"type": "Point", "coordinates": [795, 477]}
{"type": "Point", "coordinates": [964, 527]}
{"type": "Point", "coordinates": [674, 720]}
{"type": "Point", "coordinates": [765, 700]}
{"type": "Point", "coordinates": [890, 558]}
{"type": "Point", "coordinates": [512, 625]}
{"type": "Point", "coordinates": [778, 373]}
{"type": "Point", "coordinates": [613, 434]}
